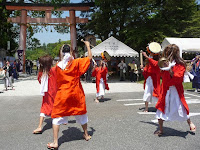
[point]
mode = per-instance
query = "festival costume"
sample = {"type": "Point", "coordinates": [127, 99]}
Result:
{"type": "Point", "coordinates": [70, 97]}
{"type": "Point", "coordinates": [196, 73]}
{"type": "Point", "coordinates": [101, 83]}
{"type": "Point", "coordinates": [172, 104]}
{"type": "Point", "coordinates": [49, 93]}
{"type": "Point", "coordinates": [151, 74]}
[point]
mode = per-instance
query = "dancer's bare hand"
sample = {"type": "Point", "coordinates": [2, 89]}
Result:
{"type": "Point", "coordinates": [87, 43]}
{"type": "Point", "coordinates": [144, 54]}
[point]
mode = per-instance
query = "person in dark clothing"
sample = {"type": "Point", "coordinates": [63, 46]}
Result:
{"type": "Point", "coordinates": [31, 66]}
{"type": "Point", "coordinates": [15, 72]}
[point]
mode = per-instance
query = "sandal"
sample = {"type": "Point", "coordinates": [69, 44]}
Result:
{"type": "Point", "coordinates": [51, 147]}
{"type": "Point", "coordinates": [158, 133]}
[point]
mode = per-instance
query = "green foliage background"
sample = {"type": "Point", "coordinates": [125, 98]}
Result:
{"type": "Point", "coordinates": [134, 22]}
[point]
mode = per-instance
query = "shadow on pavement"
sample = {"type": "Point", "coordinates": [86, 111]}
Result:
{"type": "Point", "coordinates": [171, 132]}
{"type": "Point", "coordinates": [104, 100]}
{"type": "Point", "coordinates": [191, 90]}
{"type": "Point", "coordinates": [73, 134]}
{"type": "Point", "coordinates": [48, 124]}
{"type": "Point", "coordinates": [150, 109]}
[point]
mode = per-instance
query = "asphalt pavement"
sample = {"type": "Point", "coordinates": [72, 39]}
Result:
{"type": "Point", "coordinates": [116, 123]}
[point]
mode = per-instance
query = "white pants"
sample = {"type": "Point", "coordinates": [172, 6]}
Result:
{"type": "Point", "coordinates": [101, 88]}
{"type": "Point", "coordinates": [81, 119]}
{"type": "Point", "coordinates": [148, 92]}
{"type": "Point", "coordinates": [43, 115]}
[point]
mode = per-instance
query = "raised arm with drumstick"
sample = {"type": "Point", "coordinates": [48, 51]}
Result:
{"type": "Point", "coordinates": [151, 73]}
{"type": "Point", "coordinates": [88, 46]}
{"type": "Point", "coordinates": [70, 97]}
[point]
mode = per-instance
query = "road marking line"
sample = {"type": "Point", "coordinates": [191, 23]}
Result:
{"type": "Point", "coordinates": [193, 99]}
{"type": "Point", "coordinates": [187, 97]}
{"type": "Point", "coordinates": [192, 102]}
{"type": "Point", "coordinates": [191, 115]}
{"type": "Point", "coordinates": [192, 94]}
{"type": "Point", "coordinates": [146, 113]}
{"type": "Point", "coordinates": [134, 104]}
{"type": "Point", "coordinates": [154, 121]}
{"type": "Point", "coordinates": [194, 114]}
{"type": "Point", "coordinates": [121, 100]}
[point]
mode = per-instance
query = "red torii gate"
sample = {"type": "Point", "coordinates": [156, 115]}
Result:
{"type": "Point", "coordinates": [23, 20]}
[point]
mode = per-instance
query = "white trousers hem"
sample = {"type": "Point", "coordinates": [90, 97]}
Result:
{"type": "Point", "coordinates": [81, 119]}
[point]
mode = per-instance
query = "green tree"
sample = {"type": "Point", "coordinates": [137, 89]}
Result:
{"type": "Point", "coordinates": [6, 30]}
{"type": "Point", "coordinates": [137, 23]}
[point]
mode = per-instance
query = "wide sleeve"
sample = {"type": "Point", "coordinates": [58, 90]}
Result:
{"type": "Point", "coordinates": [39, 77]}
{"type": "Point", "coordinates": [177, 78]}
{"type": "Point", "coordinates": [145, 72]}
{"type": "Point", "coordinates": [94, 72]}
{"type": "Point", "coordinates": [153, 62]}
{"type": "Point", "coordinates": [105, 71]}
{"type": "Point", "coordinates": [83, 65]}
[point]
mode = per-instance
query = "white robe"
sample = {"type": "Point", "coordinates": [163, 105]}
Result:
{"type": "Point", "coordinates": [101, 88]}
{"type": "Point", "coordinates": [148, 92]}
{"type": "Point", "coordinates": [174, 109]}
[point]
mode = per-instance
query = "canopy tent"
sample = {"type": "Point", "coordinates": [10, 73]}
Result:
{"type": "Point", "coordinates": [185, 44]}
{"type": "Point", "coordinates": [114, 47]}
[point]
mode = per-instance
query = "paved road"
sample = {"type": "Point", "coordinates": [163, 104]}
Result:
{"type": "Point", "coordinates": [113, 124]}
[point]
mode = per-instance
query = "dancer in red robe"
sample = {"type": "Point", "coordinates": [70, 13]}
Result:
{"type": "Point", "coordinates": [151, 73]}
{"type": "Point", "coordinates": [48, 88]}
{"type": "Point", "coordinates": [171, 105]}
{"type": "Point", "coordinates": [70, 97]}
{"type": "Point", "coordinates": [100, 73]}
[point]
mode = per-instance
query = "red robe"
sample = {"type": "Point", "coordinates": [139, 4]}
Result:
{"type": "Point", "coordinates": [48, 98]}
{"type": "Point", "coordinates": [99, 73]}
{"type": "Point", "coordinates": [153, 71]}
{"type": "Point", "coordinates": [168, 81]}
{"type": "Point", "coordinates": [70, 97]}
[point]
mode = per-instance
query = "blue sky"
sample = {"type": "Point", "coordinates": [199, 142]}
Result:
{"type": "Point", "coordinates": [52, 37]}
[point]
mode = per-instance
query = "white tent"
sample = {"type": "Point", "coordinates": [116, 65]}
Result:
{"type": "Point", "coordinates": [114, 47]}
{"type": "Point", "coordinates": [185, 44]}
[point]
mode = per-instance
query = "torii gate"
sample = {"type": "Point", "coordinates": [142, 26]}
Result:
{"type": "Point", "coordinates": [23, 20]}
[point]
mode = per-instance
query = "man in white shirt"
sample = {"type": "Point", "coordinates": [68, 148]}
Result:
{"type": "Point", "coordinates": [122, 66]}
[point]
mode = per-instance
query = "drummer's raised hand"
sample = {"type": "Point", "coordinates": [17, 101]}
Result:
{"type": "Point", "coordinates": [87, 43]}
{"type": "Point", "coordinates": [145, 54]}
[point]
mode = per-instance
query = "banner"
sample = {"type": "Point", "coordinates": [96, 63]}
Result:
{"type": "Point", "coordinates": [20, 57]}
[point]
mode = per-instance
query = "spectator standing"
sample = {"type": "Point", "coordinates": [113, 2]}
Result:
{"type": "Point", "coordinates": [37, 66]}
{"type": "Point", "coordinates": [133, 71]}
{"type": "Point", "coordinates": [15, 72]}
{"type": "Point", "coordinates": [28, 66]}
{"type": "Point", "coordinates": [196, 73]}
{"type": "Point", "coordinates": [8, 75]}
{"type": "Point", "coordinates": [31, 66]}
{"type": "Point", "coordinates": [2, 76]}
{"type": "Point", "coordinates": [122, 66]}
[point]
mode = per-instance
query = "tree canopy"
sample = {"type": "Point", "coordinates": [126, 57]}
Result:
{"type": "Point", "coordinates": [137, 23]}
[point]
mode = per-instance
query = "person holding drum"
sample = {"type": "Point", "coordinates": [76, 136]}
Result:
{"type": "Point", "coordinates": [101, 73]}
{"type": "Point", "coordinates": [171, 105]}
{"type": "Point", "coordinates": [151, 73]}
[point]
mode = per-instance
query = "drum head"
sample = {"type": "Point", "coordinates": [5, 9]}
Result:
{"type": "Point", "coordinates": [155, 47]}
